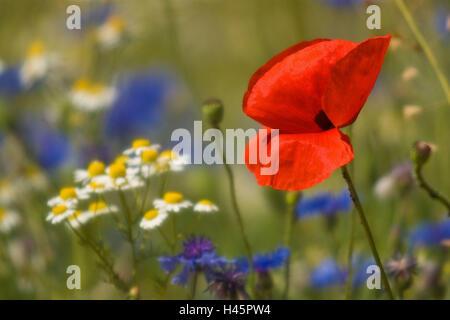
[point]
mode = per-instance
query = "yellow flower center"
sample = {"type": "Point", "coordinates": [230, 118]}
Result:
{"type": "Point", "coordinates": [97, 206]}
{"type": "Point", "coordinates": [36, 48]}
{"type": "Point", "coordinates": [149, 155]}
{"type": "Point", "coordinates": [173, 197]}
{"type": "Point", "coordinates": [139, 143]}
{"type": "Point", "coordinates": [96, 168]}
{"type": "Point", "coordinates": [2, 213]}
{"type": "Point", "coordinates": [75, 215]}
{"type": "Point", "coordinates": [95, 88]}
{"type": "Point", "coordinates": [206, 202]}
{"type": "Point", "coordinates": [151, 214]}
{"type": "Point", "coordinates": [68, 193]}
{"type": "Point", "coordinates": [169, 154]}
{"type": "Point", "coordinates": [117, 170]}
{"type": "Point", "coordinates": [59, 209]}
{"type": "Point", "coordinates": [81, 84]}
{"type": "Point", "coordinates": [96, 185]}
{"type": "Point", "coordinates": [121, 159]}
{"type": "Point", "coordinates": [116, 22]}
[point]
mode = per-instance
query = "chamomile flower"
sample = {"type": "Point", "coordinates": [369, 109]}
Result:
{"type": "Point", "coordinates": [153, 218]}
{"type": "Point", "coordinates": [145, 164]}
{"type": "Point", "coordinates": [8, 220]}
{"type": "Point", "coordinates": [99, 208]}
{"type": "Point", "coordinates": [88, 96]}
{"type": "Point", "coordinates": [110, 33]}
{"type": "Point", "coordinates": [96, 187]}
{"type": "Point", "coordinates": [68, 196]}
{"type": "Point", "coordinates": [36, 64]}
{"type": "Point", "coordinates": [77, 219]}
{"type": "Point", "coordinates": [205, 205]}
{"type": "Point", "coordinates": [138, 146]}
{"type": "Point", "coordinates": [172, 202]}
{"type": "Point", "coordinates": [33, 178]}
{"type": "Point", "coordinates": [96, 169]}
{"type": "Point", "coordinates": [171, 160]}
{"type": "Point", "coordinates": [122, 177]}
{"type": "Point", "coordinates": [60, 213]}
{"type": "Point", "coordinates": [8, 191]}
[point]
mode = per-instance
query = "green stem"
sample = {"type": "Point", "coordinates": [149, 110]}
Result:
{"type": "Point", "coordinates": [194, 286]}
{"type": "Point", "coordinates": [146, 193]}
{"type": "Point", "coordinates": [351, 244]}
{"type": "Point", "coordinates": [129, 232]}
{"type": "Point", "coordinates": [367, 230]}
{"type": "Point", "coordinates": [107, 265]}
{"type": "Point", "coordinates": [240, 220]}
{"type": "Point", "coordinates": [434, 194]}
{"type": "Point", "coordinates": [166, 239]}
{"type": "Point", "coordinates": [426, 48]}
{"type": "Point", "coordinates": [289, 227]}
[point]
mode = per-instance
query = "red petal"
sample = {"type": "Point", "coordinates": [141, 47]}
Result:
{"type": "Point", "coordinates": [305, 159]}
{"type": "Point", "coordinates": [286, 93]}
{"type": "Point", "coordinates": [352, 79]}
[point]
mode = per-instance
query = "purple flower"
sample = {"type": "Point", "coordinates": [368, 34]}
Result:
{"type": "Point", "coordinates": [199, 255]}
{"type": "Point", "coordinates": [228, 283]}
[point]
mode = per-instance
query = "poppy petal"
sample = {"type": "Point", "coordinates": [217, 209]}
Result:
{"type": "Point", "coordinates": [352, 80]}
{"type": "Point", "coordinates": [286, 93]}
{"type": "Point", "coordinates": [304, 160]}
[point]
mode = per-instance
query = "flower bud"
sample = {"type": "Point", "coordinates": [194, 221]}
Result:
{"type": "Point", "coordinates": [134, 293]}
{"type": "Point", "coordinates": [292, 197]}
{"type": "Point", "coordinates": [421, 152]}
{"type": "Point", "coordinates": [212, 110]}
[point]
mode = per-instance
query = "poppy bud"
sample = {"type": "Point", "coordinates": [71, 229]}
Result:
{"type": "Point", "coordinates": [292, 198]}
{"type": "Point", "coordinates": [212, 110]}
{"type": "Point", "coordinates": [421, 152]}
{"type": "Point", "coordinates": [134, 293]}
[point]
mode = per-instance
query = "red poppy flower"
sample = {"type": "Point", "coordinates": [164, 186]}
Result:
{"type": "Point", "coordinates": [308, 92]}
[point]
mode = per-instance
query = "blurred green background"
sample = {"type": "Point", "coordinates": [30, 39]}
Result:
{"type": "Point", "coordinates": [213, 47]}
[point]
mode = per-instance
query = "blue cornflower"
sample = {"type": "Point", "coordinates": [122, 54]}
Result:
{"type": "Point", "coordinates": [96, 15]}
{"type": "Point", "coordinates": [50, 147]}
{"type": "Point", "coordinates": [198, 255]}
{"type": "Point", "coordinates": [327, 274]}
{"type": "Point", "coordinates": [263, 263]}
{"type": "Point", "coordinates": [430, 234]}
{"type": "Point", "coordinates": [344, 3]}
{"type": "Point", "coordinates": [228, 283]}
{"type": "Point", "coordinates": [140, 105]}
{"type": "Point", "coordinates": [442, 22]}
{"type": "Point", "coordinates": [11, 83]}
{"type": "Point", "coordinates": [326, 204]}
{"type": "Point", "coordinates": [360, 274]}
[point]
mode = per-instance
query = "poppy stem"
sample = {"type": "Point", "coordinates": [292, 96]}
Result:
{"type": "Point", "coordinates": [348, 285]}
{"type": "Point", "coordinates": [426, 48]}
{"type": "Point", "coordinates": [289, 227]}
{"type": "Point", "coordinates": [367, 230]}
{"type": "Point", "coordinates": [351, 245]}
